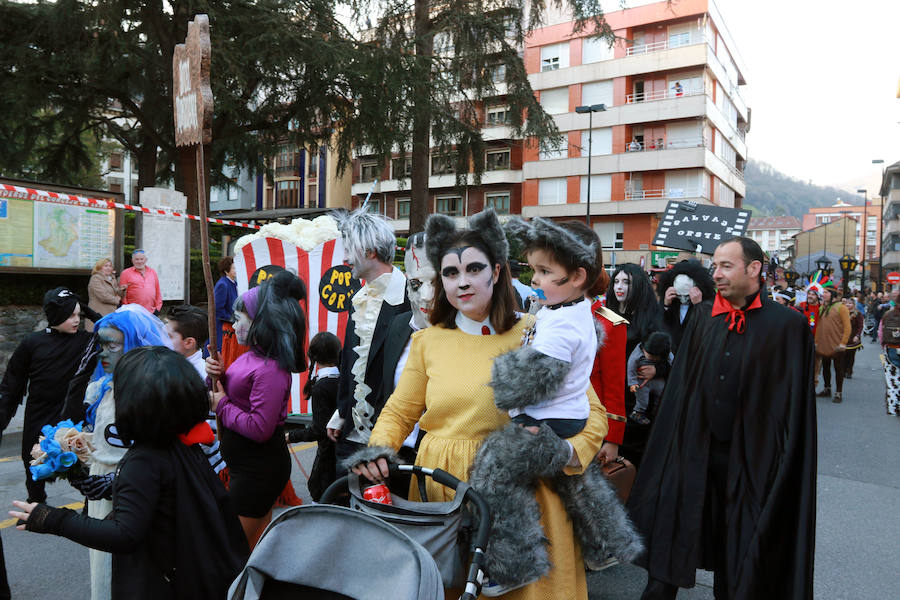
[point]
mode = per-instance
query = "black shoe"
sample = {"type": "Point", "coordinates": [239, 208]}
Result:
{"type": "Point", "coordinates": [825, 393]}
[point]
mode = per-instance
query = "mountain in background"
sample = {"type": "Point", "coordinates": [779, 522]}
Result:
{"type": "Point", "coordinates": [771, 193]}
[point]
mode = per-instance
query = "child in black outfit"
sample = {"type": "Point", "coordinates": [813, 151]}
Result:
{"type": "Point", "coordinates": [653, 351]}
{"type": "Point", "coordinates": [321, 387]}
{"type": "Point", "coordinates": [169, 508]}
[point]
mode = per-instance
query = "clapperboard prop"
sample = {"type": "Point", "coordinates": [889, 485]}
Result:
{"type": "Point", "coordinates": [699, 227]}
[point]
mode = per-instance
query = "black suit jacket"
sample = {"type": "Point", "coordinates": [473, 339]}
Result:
{"type": "Point", "coordinates": [398, 335]}
{"type": "Point", "coordinates": [375, 367]}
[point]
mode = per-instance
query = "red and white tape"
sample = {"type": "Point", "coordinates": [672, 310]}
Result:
{"type": "Point", "coordinates": [23, 193]}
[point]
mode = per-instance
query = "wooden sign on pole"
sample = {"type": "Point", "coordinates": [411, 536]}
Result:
{"type": "Point", "coordinates": [193, 102]}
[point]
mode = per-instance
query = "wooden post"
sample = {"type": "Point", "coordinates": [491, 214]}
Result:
{"type": "Point", "coordinates": [193, 103]}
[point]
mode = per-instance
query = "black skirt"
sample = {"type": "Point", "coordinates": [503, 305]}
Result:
{"type": "Point", "coordinates": [258, 472]}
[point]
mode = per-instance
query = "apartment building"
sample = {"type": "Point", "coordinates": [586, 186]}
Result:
{"type": "Point", "coordinates": [869, 213]}
{"type": "Point", "coordinates": [120, 174]}
{"type": "Point", "coordinates": [890, 192]}
{"type": "Point", "coordinates": [674, 126]}
{"type": "Point", "coordinates": [774, 235]}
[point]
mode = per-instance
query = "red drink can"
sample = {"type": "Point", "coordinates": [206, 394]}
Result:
{"type": "Point", "coordinates": [378, 493]}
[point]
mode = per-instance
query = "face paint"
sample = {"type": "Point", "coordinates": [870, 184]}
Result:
{"type": "Point", "coordinates": [361, 266]}
{"type": "Point", "coordinates": [420, 275]}
{"type": "Point", "coordinates": [112, 347]}
{"type": "Point", "coordinates": [469, 282]}
{"type": "Point", "coordinates": [621, 286]}
{"type": "Point", "coordinates": [242, 324]}
{"type": "Point", "coordinates": [551, 281]}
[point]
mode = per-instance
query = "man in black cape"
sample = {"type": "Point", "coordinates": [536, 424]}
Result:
{"type": "Point", "coordinates": [728, 481]}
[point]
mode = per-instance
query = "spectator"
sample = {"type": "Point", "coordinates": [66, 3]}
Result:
{"type": "Point", "coordinates": [855, 343]}
{"type": "Point", "coordinates": [832, 335]}
{"type": "Point", "coordinates": [104, 291]}
{"type": "Point", "coordinates": [226, 293]}
{"type": "Point", "coordinates": [634, 145]}
{"type": "Point", "coordinates": [141, 284]}
{"type": "Point", "coordinates": [679, 90]}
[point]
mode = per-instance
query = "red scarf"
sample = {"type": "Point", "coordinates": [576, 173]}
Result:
{"type": "Point", "coordinates": [735, 318]}
{"type": "Point", "coordinates": [201, 433]}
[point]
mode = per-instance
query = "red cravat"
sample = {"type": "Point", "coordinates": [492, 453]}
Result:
{"type": "Point", "coordinates": [485, 330]}
{"type": "Point", "coordinates": [735, 318]}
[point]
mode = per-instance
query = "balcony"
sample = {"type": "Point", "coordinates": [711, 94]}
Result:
{"type": "Point", "coordinates": [661, 95]}
{"type": "Point", "coordinates": [665, 194]}
{"type": "Point", "coordinates": [660, 144]}
{"type": "Point", "coordinates": [675, 42]}
{"type": "Point", "coordinates": [500, 176]}
{"type": "Point", "coordinates": [577, 209]}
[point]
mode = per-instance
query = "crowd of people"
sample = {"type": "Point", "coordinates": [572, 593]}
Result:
{"type": "Point", "coordinates": [526, 391]}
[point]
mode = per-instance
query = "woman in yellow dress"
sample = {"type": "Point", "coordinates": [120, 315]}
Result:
{"type": "Point", "coordinates": [445, 388]}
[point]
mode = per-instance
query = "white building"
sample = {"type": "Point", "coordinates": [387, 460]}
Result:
{"type": "Point", "coordinates": [774, 234]}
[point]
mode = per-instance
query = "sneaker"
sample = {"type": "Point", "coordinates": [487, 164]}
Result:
{"type": "Point", "coordinates": [837, 398]}
{"type": "Point", "coordinates": [825, 393]}
{"type": "Point", "coordinates": [492, 589]}
{"type": "Point", "coordinates": [639, 417]}
{"type": "Point", "coordinates": [609, 561]}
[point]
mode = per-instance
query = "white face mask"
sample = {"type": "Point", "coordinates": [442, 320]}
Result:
{"type": "Point", "coordinates": [683, 285]}
{"type": "Point", "coordinates": [468, 281]}
{"type": "Point", "coordinates": [621, 286]}
{"type": "Point", "coordinates": [242, 324]}
{"type": "Point", "coordinates": [420, 276]}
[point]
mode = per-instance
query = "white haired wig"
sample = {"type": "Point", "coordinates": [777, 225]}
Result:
{"type": "Point", "coordinates": [363, 231]}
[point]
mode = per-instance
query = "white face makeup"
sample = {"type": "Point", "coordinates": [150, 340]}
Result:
{"type": "Point", "coordinates": [683, 285]}
{"type": "Point", "coordinates": [361, 266]}
{"type": "Point", "coordinates": [420, 276]}
{"type": "Point", "coordinates": [112, 346]}
{"type": "Point", "coordinates": [242, 324]}
{"type": "Point", "coordinates": [621, 286]}
{"type": "Point", "coordinates": [468, 281]}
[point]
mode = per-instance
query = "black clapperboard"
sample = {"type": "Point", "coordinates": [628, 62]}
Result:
{"type": "Point", "coordinates": [699, 227]}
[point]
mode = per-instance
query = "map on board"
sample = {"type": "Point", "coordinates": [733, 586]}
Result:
{"type": "Point", "coordinates": [52, 235]}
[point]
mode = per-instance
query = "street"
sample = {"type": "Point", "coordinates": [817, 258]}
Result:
{"type": "Point", "coordinates": [858, 533]}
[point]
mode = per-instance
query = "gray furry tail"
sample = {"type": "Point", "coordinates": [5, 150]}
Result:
{"type": "Point", "coordinates": [525, 377]}
{"type": "Point", "coordinates": [505, 472]}
{"type": "Point", "coordinates": [370, 454]}
{"type": "Point", "coordinates": [598, 517]}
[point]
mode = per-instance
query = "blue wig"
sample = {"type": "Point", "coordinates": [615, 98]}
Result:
{"type": "Point", "coordinates": [140, 328]}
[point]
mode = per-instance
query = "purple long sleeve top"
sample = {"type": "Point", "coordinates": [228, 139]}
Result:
{"type": "Point", "coordinates": [257, 395]}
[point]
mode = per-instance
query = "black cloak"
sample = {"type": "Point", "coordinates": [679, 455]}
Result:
{"type": "Point", "coordinates": [770, 504]}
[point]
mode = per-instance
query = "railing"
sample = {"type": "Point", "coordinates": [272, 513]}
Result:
{"type": "Point", "coordinates": [675, 42]}
{"type": "Point", "coordinates": [660, 144]}
{"type": "Point", "coordinates": [664, 194]}
{"type": "Point", "coordinates": [660, 95]}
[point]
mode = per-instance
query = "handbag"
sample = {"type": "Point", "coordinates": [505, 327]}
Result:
{"type": "Point", "coordinates": [620, 473]}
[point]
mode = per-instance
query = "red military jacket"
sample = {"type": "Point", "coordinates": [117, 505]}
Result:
{"type": "Point", "coordinates": [608, 376]}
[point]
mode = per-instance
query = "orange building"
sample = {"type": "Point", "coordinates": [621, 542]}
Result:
{"type": "Point", "coordinates": [674, 126]}
{"type": "Point", "coordinates": [826, 214]}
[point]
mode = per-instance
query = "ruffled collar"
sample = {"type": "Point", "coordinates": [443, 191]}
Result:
{"type": "Point", "coordinates": [473, 327]}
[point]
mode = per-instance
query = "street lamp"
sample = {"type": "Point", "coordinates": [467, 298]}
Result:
{"type": "Point", "coordinates": [848, 264]}
{"type": "Point", "coordinates": [864, 250]}
{"type": "Point", "coordinates": [790, 277]}
{"type": "Point", "coordinates": [823, 263]}
{"type": "Point", "coordinates": [590, 110]}
{"type": "Point", "coordinates": [878, 161]}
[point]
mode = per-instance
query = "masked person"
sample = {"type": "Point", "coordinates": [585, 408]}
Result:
{"type": "Point", "coordinates": [681, 288]}
{"type": "Point", "coordinates": [42, 365]}
{"type": "Point", "coordinates": [728, 482]}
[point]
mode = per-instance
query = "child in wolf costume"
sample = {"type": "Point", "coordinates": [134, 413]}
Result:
{"type": "Point", "coordinates": [542, 385]}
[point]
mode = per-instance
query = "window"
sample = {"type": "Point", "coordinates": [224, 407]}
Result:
{"type": "Point", "coordinates": [443, 164]}
{"type": "Point", "coordinates": [369, 172]}
{"type": "Point", "coordinates": [595, 50]}
{"type": "Point", "coordinates": [497, 116]}
{"type": "Point", "coordinates": [115, 184]}
{"type": "Point", "coordinates": [555, 101]}
{"type": "Point", "coordinates": [234, 190]}
{"type": "Point", "coordinates": [497, 160]}
{"type": "Point", "coordinates": [498, 73]}
{"type": "Point", "coordinates": [612, 235]}
{"type": "Point", "coordinates": [598, 141]}
{"type": "Point", "coordinates": [312, 169]}
{"type": "Point", "coordinates": [287, 194]}
{"type": "Point", "coordinates": [287, 160]}
{"type": "Point", "coordinates": [403, 208]}
{"type": "Point", "coordinates": [601, 188]}
{"type": "Point", "coordinates": [115, 161]}
{"type": "Point", "coordinates": [555, 56]}
{"type": "Point", "coordinates": [679, 35]}
{"type": "Point", "coordinates": [312, 195]}
{"type": "Point", "coordinates": [401, 167]}
{"type": "Point", "coordinates": [871, 223]}
{"type": "Point", "coordinates": [553, 151]}
{"type": "Point", "coordinates": [552, 191]}
{"type": "Point", "coordinates": [598, 92]}
{"type": "Point", "coordinates": [449, 205]}
{"type": "Point", "coordinates": [499, 202]}
{"type": "Point", "coordinates": [374, 205]}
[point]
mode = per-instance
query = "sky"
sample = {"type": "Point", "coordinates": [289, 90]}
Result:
{"type": "Point", "coordinates": [822, 81]}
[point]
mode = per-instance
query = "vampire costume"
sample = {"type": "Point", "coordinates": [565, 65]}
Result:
{"type": "Point", "coordinates": [728, 481]}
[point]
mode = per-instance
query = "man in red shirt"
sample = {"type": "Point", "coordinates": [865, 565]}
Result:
{"type": "Point", "coordinates": [141, 283]}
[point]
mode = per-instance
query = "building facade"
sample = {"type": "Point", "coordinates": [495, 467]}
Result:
{"type": "Point", "coordinates": [673, 127]}
{"type": "Point", "coordinates": [870, 214]}
{"type": "Point", "coordinates": [775, 235]}
{"type": "Point", "coordinates": [890, 193]}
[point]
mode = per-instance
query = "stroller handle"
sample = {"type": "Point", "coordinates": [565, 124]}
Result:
{"type": "Point", "coordinates": [482, 531]}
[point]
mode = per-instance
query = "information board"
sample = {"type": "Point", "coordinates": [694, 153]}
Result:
{"type": "Point", "coordinates": [49, 235]}
{"type": "Point", "coordinates": [165, 240]}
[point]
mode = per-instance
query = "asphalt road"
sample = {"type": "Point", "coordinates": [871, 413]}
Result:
{"type": "Point", "coordinates": [858, 532]}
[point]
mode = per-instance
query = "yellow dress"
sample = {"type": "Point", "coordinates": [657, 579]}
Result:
{"type": "Point", "coordinates": [446, 376]}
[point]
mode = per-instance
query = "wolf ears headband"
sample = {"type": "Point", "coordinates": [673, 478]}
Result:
{"type": "Point", "coordinates": [440, 230]}
{"type": "Point", "coordinates": [543, 233]}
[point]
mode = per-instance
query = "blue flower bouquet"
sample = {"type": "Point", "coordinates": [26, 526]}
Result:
{"type": "Point", "coordinates": [63, 451]}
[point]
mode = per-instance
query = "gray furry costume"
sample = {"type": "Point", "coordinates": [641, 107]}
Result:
{"type": "Point", "coordinates": [510, 461]}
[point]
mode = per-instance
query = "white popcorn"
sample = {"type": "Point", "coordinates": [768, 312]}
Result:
{"type": "Point", "coordinates": [303, 233]}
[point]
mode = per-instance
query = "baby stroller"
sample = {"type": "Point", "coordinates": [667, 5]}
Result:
{"type": "Point", "coordinates": [407, 550]}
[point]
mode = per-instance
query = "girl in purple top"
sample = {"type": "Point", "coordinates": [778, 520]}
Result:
{"type": "Point", "coordinates": [252, 397]}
